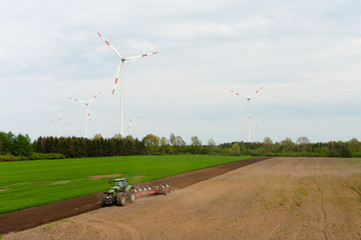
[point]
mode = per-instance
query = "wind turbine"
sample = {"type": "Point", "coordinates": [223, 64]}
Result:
{"type": "Point", "coordinates": [60, 120]}
{"type": "Point", "coordinates": [87, 113]}
{"type": "Point", "coordinates": [121, 68]}
{"type": "Point", "coordinates": [131, 123]}
{"type": "Point", "coordinates": [249, 112]}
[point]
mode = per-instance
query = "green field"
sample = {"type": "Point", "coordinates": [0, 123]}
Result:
{"type": "Point", "coordinates": [32, 183]}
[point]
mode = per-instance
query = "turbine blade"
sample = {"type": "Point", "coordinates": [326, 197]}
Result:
{"type": "Point", "coordinates": [256, 92]}
{"type": "Point", "coordinates": [77, 100]}
{"type": "Point", "coordinates": [238, 94]}
{"type": "Point", "coordinates": [95, 96]}
{"type": "Point", "coordinates": [65, 122]}
{"type": "Point", "coordinates": [116, 79]}
{"type": "Point", "coordinates": [114, 50]}
{"type": "Point", "coordinates": [139, 56]}
{"type": "Point", "coordinates": [234, 92]}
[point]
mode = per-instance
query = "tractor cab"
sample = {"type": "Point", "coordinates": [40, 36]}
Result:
{"type": "Point", "coordinates": [121, 182]}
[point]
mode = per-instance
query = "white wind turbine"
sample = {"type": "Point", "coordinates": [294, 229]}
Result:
{"type": "Point", "coordinates": [87, 113]}
{"type": "Point", "coordinates": [60, 120]}
{"type": "Point", "coordinates": [121, 68]}
{"type": "Point", "coordinates": [249, 112]}
{"type": "Point", "coordinates": [131, 123]}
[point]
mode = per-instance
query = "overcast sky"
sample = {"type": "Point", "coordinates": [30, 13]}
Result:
{"type": "Point", "coordinates": [305, 54]}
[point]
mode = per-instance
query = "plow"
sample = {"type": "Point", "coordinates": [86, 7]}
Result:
{"type": "Point", "coordinates": [121, 191]}
{"type": "Point", "coordinates": [153, 190]}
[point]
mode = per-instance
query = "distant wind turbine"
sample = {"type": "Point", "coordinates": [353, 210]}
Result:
{"type": "Point", "coordinates": [87, 113]}
{"type": "Point", "coordinates": [60, 119]}
{"type": "Point", "coordinates": [249, 112]}
{"type": "Point", "coordinates": [131, 123]}
{"type": "Point", "coordinates": [121, 68]}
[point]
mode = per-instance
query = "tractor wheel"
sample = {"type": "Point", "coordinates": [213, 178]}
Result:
{"type": "Point", "coordinates": [103, 200]}
{"type": "Point", "coordinates": [132, 196]}
{"type": "Point", "coordinates": [164, 192]}
{"type": "Point", "coordinates": [121, 199]}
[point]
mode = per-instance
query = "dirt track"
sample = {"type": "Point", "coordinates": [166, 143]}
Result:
{"type": "Point", "coordinates": [281, 198]}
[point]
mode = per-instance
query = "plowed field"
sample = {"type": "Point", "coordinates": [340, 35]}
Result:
{"type": "Point", "coordinates": [279, 198]}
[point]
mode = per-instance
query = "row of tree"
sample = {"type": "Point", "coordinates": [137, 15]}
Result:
{"type": "Point", "coordinates": [176, 145]}
{"type": "Point", "coordinates": [74, 147]}
{"type": "Point", "coordinates": [302, 147]}
{"type": "Point", "coordinates": [71, 147]}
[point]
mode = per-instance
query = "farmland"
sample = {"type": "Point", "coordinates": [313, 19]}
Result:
{"type": "Point", "coordinates": [46, 181]}
{"type": "Point", "coordinates": [279, 198]}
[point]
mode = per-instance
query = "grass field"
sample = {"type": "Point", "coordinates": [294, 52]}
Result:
{"type": "Point", "coordinates": [32, 183]}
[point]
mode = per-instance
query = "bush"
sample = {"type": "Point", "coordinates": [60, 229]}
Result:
{"type": "Point", "coordinates": [158, 153]}
{"type": "Point", "coordinates": [36, 156]}
{"type": "Point", "coordinates": [42, 156]}
{"type": "Point", "coordinates": [9, 157]}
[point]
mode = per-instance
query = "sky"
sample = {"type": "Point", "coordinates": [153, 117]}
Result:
{"type": "Point", "coordinates": [305, 54]}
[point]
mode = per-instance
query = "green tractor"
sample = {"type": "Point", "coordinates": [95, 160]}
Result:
{"type": "Point", "coordinates": [120, 191]}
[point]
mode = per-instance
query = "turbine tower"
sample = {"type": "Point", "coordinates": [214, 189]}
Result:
{"type": "Point", "coordinates": [87, 113]}
{"type": "Point", "coordinates": [121, 68]}
{"type": "Point", "coordinates": [60, 119]}
{"type": "Point", "coordinates": [249, 111]}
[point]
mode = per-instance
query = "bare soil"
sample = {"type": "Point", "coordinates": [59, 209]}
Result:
{"type": "Point", "coordinates": [61, 182]}
{"type": "Point", "coordinates": [280, 198]}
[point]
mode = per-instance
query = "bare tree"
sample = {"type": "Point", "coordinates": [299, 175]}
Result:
{"type": "Point", "coordinates": [303, 143]}
{"type": "Point", "coordinates": [267, 145]}
{"type": "Point", "coordinates": [172, 139]}
{"type": "Point", "coordinates": [196, 145]}
{"type": "Point", "coordinates": [302, 140]}
{"type": "Point", "coordinates": [211, 142]}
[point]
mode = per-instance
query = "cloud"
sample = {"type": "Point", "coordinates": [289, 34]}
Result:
{"type": "Point", "coordinates": [305, 54]}
{"type": "Point", "coordinates": [192, 30]}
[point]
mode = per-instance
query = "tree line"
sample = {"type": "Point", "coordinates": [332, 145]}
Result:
{"type": "Point", "coordinates": [301, 148]}
{"type": "Point", "coordinates": [74, 147]}
{"type": "Point", "coordinates": [20, 147]}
